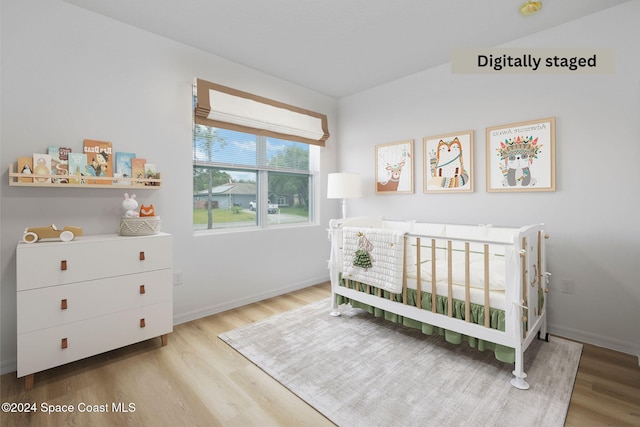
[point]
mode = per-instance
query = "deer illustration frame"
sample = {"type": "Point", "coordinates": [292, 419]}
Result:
{"type": "Point", "coordinates": [394, 167]}
{"type": "Point", "coordinates": [521, 156]}
{"type": "Point", "coordinates": [448, 163]}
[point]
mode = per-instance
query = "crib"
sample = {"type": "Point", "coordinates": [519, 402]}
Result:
{"type": "Point", "coordinates": [483, 284]}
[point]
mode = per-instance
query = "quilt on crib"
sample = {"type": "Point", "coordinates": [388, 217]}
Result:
{"type": "Point", "coordinates": [374, 256]}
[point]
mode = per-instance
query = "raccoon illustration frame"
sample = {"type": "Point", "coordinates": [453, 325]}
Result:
{"type": "Point", "coordinates": [521, 156]}
{"type": "Point", "coordinates": [448, 163]}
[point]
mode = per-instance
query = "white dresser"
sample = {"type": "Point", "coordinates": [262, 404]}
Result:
{"type": "Point", "coordinates": [94, 294]}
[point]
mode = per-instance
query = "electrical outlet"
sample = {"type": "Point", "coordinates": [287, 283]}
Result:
{"type": "Point", "coordinates": [177, 278]}
{"type": "Point", "coordinates": [568, 287]}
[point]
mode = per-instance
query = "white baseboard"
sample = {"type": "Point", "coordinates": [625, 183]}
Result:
{"type": "Point", "coordinates": [597, 340]}
{"type": "Point", "coordinates": [219, 308]}
{"type": "Point", "coordinates": [8, 366]}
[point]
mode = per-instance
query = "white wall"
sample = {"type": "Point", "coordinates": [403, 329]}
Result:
{"type": "Point", "coordinates": [592, 218]}
{"type": "Point", "coordinates": [70, 74]}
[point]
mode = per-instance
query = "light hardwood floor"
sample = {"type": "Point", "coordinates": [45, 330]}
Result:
{"type": "Point", "coordinates": [197, 380]}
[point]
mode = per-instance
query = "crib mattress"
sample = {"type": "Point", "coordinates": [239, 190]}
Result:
{"type": "Point", "coordinates": [497, 298]}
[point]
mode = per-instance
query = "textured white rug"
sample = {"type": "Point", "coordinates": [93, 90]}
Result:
{"type": "Point", "coordinates": [361, 371]}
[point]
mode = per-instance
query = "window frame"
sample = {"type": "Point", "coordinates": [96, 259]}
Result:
{"type": "Point", "coordinates": [262, 171]}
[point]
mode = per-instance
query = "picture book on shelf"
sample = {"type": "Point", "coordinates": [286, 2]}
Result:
{"type": "Point", "coordinates": [41, 168]}
{"type": "Point", "coordinates": [77, 168]}
{"type": "Point", "coordinates": [123, 167]}
{"type": "Point", "coordinates": [150, 173]}
{"type": "Point", "coordinates": [137, 166]}
{"type": "Point", "coordinates": [25, 166]}
{"type": "Point", "coordinates": [59, 163]}
{"type": "Point", "coordinates": [99, 160]}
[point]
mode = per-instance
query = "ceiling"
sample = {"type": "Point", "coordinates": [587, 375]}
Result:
{"type": "Point", "coordinates": [340, 47]}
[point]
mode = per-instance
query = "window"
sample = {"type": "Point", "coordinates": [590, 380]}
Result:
{"type": "Point", "coordinates": [252, 159]}
{"type": "Point", "coordinates": [244, 180]}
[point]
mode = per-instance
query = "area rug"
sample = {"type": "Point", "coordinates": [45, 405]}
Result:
{"type": "Point", "coordinates": [358, 370]}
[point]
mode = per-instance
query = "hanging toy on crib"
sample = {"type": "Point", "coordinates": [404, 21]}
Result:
{"type": "Point", "coordinates": [362, 257]}
{"type": "Point", "coordinates": [130, 205]}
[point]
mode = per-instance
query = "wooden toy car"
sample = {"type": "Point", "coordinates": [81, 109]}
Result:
{"type": "Point", "coordinates": [33, 234]}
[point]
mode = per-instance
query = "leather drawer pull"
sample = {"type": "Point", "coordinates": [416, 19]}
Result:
{"type": "Point", "coordinates": [63, 304]}
{"type": "Point", "coordinates": [63, 264]}
{"type": "Point", "coordinates": [142, 291]}
{"type": "Point", "coordinates": [141, 255]}
{"type": "Point", "coordinates": [142, 324]}
{"type": "Point", "coordinates": [63, 343]}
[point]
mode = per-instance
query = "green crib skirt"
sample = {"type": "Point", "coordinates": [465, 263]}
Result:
{"type": "Point", "coordinates": [497, 320]}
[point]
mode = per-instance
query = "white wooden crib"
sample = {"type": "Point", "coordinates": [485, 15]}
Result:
{"type": "Point", "coordinates": [436, 274]}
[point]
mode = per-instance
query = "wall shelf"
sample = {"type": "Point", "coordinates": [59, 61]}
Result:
{"type": "Point", "coordinates": [109, 182]}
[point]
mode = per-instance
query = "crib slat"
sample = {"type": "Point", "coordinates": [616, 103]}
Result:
{"type": "Point", "coordinates": [467, 290]}
{"type": "Point", "coordinates": [418, 275]}
{"type": "Point", "coordinates": [433, 276]}
{"type": "Point", "coordinates": [450, 279]}
{"type": "Point", "coordinates": [404, 271]}
{"type": "Point", "coordinates": [487, 307]}
{"type": "Point", "coordinates": [539, 270]}
{"type": "Point", "coordinates": [525, 299]}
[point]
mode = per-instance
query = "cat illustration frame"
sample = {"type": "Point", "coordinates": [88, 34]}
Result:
{"type": "Point", "coordinates": [521, 156]}
{"type": "Point", "coordinates": [448, 163]}
{"type": "Point", "coordinates": [394, 167]}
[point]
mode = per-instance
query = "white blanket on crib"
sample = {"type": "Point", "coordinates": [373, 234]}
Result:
{"type": "Point", "coordinates": [385, 249]}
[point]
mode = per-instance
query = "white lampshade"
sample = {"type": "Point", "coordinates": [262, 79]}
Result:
{"type": "Point", "coordinates": [343, 186]}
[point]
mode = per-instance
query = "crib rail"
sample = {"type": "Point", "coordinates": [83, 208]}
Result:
{"type": "Point", "coordinates": [449, 260]}
{"type": "Point", "coordinates": [452, 244]}
{"type": "Point", "coordinates": [530, 271]}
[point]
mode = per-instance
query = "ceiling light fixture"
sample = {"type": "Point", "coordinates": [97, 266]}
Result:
{"type": "Point", "coordinates": [530, 7]}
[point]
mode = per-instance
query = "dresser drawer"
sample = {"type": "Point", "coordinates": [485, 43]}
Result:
{"type": "Point", "coordinates": [90, 257]}
{"type": "Point", "coordinates": [43, 349]}
{"type": "Point", "coordinates": [56, 305]}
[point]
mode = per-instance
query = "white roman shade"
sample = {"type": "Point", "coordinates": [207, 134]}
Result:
{"type": "Point", "coordinates": [224, 107]}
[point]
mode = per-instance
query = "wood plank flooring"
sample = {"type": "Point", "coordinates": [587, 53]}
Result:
{"type": "Point", "coordinates": [197, 380]}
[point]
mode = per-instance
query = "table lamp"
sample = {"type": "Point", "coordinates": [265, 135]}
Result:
{"type": "Point", "coordinates": [343, 186]}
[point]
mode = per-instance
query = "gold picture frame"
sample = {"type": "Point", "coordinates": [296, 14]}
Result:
{"type": "Point", "coordinates": [521, 156]}
{"type": "Point", "coordinates": [448, 163]}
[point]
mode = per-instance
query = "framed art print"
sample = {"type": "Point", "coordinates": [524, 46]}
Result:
{"type": "Point", "coordinates": [394, 167]}
{"type": "Point", "coordinates": [448, 163]}
{"type": "Point", "coordinates": [521, 156]}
